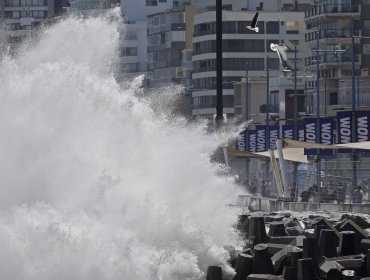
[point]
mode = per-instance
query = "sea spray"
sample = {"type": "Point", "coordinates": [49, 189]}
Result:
{"type": "Point", "coordinates": [94, 183]}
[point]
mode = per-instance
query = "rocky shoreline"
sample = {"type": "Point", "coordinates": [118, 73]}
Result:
{"type": "Point", "coordinates": [304, 246]}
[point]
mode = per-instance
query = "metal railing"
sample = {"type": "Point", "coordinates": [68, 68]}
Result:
{"type": "Point", "coordinates": [331, 9]}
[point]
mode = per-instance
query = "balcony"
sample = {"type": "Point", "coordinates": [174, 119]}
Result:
{"type": "Point", "coordinates": [332, 35]}
{"type": "Point", "coordinates": [333, 59]}
{"type": "Point", "coordinates": [332, 10]}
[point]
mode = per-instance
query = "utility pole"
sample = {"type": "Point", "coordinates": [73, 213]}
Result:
{"type": "Point", "coordinates": [219, 105]}
{"type": "Point", "coordinates": [353, 134]}
{"type": "Point", "coordinates": [247, 108]}
{"type": "Point", "coordinates": [267, 112]}
{"type": "Point", "coordinates": [318, 130]}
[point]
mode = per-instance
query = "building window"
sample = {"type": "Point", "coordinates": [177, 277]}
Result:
{"type": "Point", "coordinates": [151, 3]}
{"type": "Point", "coordinates": [162, 1]}
{"type": "Point", "coordinates": [367, 24]}
{"type": "Point", "coordinates": [15, 14]}
{"type": "Point", "coordinates": [129, 51]}
{"type": "Point", "coordinates": [272, 27]}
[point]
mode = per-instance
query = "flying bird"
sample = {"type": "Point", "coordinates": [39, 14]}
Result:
{"type": "Point", "coordinates": [281, 51]}
{"type": "Point", "coordinates": [253, 25]}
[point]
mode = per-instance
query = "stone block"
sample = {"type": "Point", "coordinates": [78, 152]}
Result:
{"type": "Point", "coordinates": [262, 263]}
{"type": "Point", "coordinates": [331, 270]}
{"type": "Point", "coordinates": [277, 229]}
{"type": "Point", "coordinates": [214, 273]}
{"type": "Point", "coordinates": [244, 266]}
{"type": "Point", "coordinates": [264, 277]}
{"type": "Point", "coordinates": [347, 243]}
{"type": "Point", "coordinates": [328, 243]}
{"type": "Point", "coordinates": [305, 270]}
{"type": "Point", "coordinates": [257, 230]}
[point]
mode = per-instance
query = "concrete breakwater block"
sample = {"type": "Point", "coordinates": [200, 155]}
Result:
{"type": "Point", "coordinates": [331, 270]}
{"type": "Point", "coordinates": [348, 275]}
{"type": "Point", "coordinates": [214, 273]}
{"type": "Point", "coordinates": [262, 263]}
{"type": "Point", "coordinates": [359, 233]}
{"type": "Point", "coordinates": [277, 229]}
{"type": "Point", "coordinates": [328, 243]}
{"type": "Point", "coordinates": [288, 240]}
{"type": "Point", "coordinates": [264, 277]}
{"type": "Point", "coordinates": [257, 230]}
{"type": "Point", "coordinates": [286, 257]}
{"type": "Point", "coordinates": [311, 251]}
{"type": "Point", "coordinates": [322, 251]}
{"type": "Point", "coordinates": [243, 223]}
{"type": "Point", "coordinates": [244, 266]}
{"type": "Point", "coordinates": [305, 269]}
{"type": "Point", "coordinates": [347, 243]}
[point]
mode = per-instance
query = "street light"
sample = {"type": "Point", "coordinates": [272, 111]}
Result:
{"type": "Point", "coordinates": [219, 105]}
{"type": "Point", "coordinates": [267, 111]}
{"type": "Point", "coordinates": [318, 129]}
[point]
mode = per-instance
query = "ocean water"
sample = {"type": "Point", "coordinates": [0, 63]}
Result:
{"type": "Point", "coordinates": [97, 182]}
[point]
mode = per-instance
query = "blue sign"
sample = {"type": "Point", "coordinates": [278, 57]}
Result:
{"type": "Point", "coordinates": [252, 141]}
{"type": "Point", "coordinates": [241, 141]}
{"type": "Point", "coordinates": [327, 134]}
{"type": "Point", "coordinates": [362, 126]}
{"type": "Point", "coordinates": [288, 131]}
{"type": "Point", "coordinates": [301, 132]}
{"type": "Point", "coordinates": [261, 138]}
{"type": "Point", "coordinates": [344, 127]}
{"type": "Point", "coordinates": [274, 135]}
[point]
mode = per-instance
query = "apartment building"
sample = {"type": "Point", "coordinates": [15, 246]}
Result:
{"type": "Point", "coordinates": [329, 25]}
{"type": "Point", "coordinates": [243, 50]}
{"type": "Point", "coordinates": [22, 17]}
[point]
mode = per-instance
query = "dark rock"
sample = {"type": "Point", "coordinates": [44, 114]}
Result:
{"type": "Point", "coordinates": [270, 219]}
{"type": "Point", "coordinates": [264, 277]}
{"type": "Point", "coordinates": [294, 231]}
{"type": "Point", "coordinates": [262, 260]}
{"type": "Point", "coordinates": [330, 270]}
{"type": "Point", "coordinates": [214, 273]}
{"type": "Point", "coordinates": [243, 223]}
{"type": "Point", "coordinates": [277, 229]}
{"type": "Point", "coordinates": [348, 274]}
{"type": "Point", "coordinates": [311, 251]}
{"type": "Point", "coordinates": [244, 266]}
{"type": "Point", "coordinates": [359, 233]}
{"type": "Point", "coordinates": [328, 243]}
{"type": "Point", "coordinates": [288, 240]}
{"type": "Point", "coordinates": [257, 230]}
{"type": "Point", "coordinates": [359, 220]}
{"type": "Point", "coordinates": [305, 270]}
{"type": "Point", "coordinates": [347, 243]}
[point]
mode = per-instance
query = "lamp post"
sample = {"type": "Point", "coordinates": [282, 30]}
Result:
{"type": "Point", "coordinates": [267, 111]}
{"type": "Point", "coordinates": [219, 105]}
{"type": "Point", "coordinates": [353, 132]}
{"type": "Point", "coordinates": [247, 107]}
{"type": "Point", "coordinates": [295, 94]}
{"type": "Point", "coordinates": [318, 130]}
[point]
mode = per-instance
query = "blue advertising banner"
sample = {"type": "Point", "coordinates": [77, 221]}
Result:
{"type": "Point", "coordinates": [252, 141]}
{"type": "Point", "coordinates": [344, 127]}
{"type": "Point", "coordinates": [241, 141]}
{"type": "Point", "coordinates": [274, 134]}
{"type": "Point", "coordinates": [261, 138]}
{"type": "Point", "coordinates": [362, 126]}
{"type": "Point", "coordinates": [310, 132]}
{"type": "Point", "coordinates": [301, 132]}
{"type": "Point", "coordinates": [288, 131]}
{"type": "Point", "coordinates": [327, 134]}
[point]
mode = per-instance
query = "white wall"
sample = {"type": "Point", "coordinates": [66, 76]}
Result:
{"type": "Point", "coordinates": [134, 10]}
